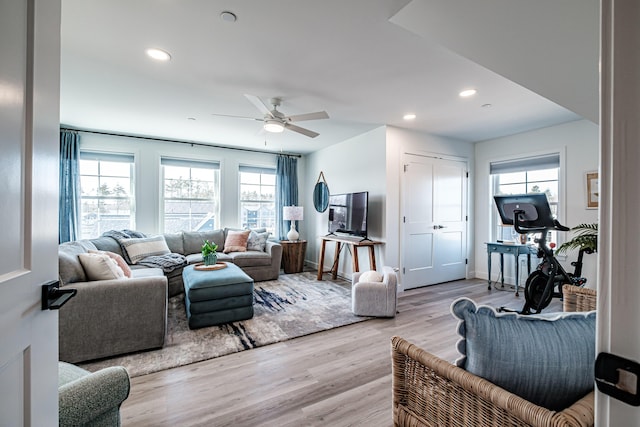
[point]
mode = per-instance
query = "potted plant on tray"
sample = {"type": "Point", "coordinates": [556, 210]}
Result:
{"type": "Point", "coordinates": [209, 254]}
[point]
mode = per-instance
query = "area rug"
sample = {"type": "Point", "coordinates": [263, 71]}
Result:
{"type": "Point", "coordinates": [290, 307]}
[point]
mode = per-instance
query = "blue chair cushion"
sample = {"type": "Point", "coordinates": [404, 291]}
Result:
{"type": "Point", "coordinates": [547, 359]}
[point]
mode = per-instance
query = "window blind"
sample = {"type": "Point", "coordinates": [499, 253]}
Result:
{"type": "Point", "coordinates": [255, 169]}
{"type": "Point", "coordinates": [106, 157]}
{"type": "Point", "coordinates": [167, 161]}
{"type": "Point", "coordinates": [549, 161]}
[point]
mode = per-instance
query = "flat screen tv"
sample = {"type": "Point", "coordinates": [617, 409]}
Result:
{"type": "Point", "coordinates": [348, 213]}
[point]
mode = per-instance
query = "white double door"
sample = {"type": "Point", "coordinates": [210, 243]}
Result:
{"type": "Point", "coordinates": [434, 220]}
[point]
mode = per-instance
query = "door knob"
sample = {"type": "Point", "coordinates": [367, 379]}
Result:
{"type": "Point", "coordinates": [438, 227]}
{"type": "Point", "coordinates": [53, 297]}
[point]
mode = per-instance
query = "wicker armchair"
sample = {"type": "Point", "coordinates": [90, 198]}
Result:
{"type": "Point", "coordinates": [429, 391]}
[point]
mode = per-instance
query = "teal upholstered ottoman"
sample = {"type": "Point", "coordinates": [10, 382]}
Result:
{"type": "Point", "coordinates": [215, 297]}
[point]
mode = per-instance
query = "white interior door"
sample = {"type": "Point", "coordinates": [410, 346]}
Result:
{"type": "Point", "coordinates": [29, 123]}
{"type": "Point", "coordinates": [434, 239]}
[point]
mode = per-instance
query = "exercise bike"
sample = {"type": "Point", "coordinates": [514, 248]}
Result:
{"type": "Point", "coordinates": [531, 213]}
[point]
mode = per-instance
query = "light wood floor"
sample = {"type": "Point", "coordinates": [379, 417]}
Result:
{"type": "Point", "coordinates": [340, 377]}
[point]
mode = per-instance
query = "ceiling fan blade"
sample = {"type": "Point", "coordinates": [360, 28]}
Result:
{"type": "Point", "coordinates": [306, 132]}
{"type": "Point", "coordinates": [309, 116]}
{"type": "Point", "coordinates": [236, 117]}
{"type": "Point", "coordinates": [259, 104]}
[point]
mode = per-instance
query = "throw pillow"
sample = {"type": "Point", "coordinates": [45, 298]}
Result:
{"type": "Point", "coordinates": [547, 359]}
{"type": "Point", "coordinates": [257, 241]}
{"type": "Point", "coordinates": [140, 248]}
{"type": "Point", "coordinates": [370, 276]}
{"type": "Point", "coordinates": [236, 241]}
{"type": "Point", "coordinates": [118, 259]}
{"type": "Point", "coordinates": [100, 267]}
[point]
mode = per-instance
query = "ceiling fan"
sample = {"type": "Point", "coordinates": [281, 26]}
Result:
{"type": "Point", "coordinates": [275, 121]}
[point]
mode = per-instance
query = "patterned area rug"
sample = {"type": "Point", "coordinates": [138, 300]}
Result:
{"type": "Point", "coordinates": [290, 307]}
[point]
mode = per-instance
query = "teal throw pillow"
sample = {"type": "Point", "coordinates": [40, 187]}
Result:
{"type": "Point", "coordinates": [547, 359]}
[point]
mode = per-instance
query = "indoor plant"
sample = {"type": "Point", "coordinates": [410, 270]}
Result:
{"type": "Point", "coordinates": [586, 239]}
{"type": "Point", "coordinates": [209, 255]}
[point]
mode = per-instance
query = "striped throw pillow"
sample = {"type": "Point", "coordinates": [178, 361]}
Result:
{"type": "Point", "coordinates": [138, 249]}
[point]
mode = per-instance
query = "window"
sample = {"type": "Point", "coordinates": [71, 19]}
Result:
{"type": "Point", "coordinates": [191, 195]}
{"type": "Point", "coordinates": [258, 198]}
{"type": "Point", "coordinates": [106, 185]}
{"type": "Point", "coordinates": [528, 175]}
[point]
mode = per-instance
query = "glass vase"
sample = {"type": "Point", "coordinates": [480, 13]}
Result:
{"type": "Point", "coordinates": [210, 259]}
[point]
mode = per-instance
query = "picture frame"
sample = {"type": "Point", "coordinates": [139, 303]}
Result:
{"type": "Point", "coordinates": [593, 189]}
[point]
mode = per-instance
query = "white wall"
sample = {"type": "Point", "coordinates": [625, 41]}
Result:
{"type": "Point", "coordinates": [148, 186]}
{"type": "Point", "coordinates": [577, 143]}
{"type": "Point", "coordinates": [357, 164]}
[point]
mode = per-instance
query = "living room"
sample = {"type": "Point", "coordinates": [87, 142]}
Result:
{"type": "Point", "coordinates": [347, 166]}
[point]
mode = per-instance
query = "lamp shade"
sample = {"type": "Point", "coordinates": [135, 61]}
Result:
{"type": "Point", "coordinates": [292, 213]}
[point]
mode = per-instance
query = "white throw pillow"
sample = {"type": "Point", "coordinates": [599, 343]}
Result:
{"type": "Point", "coordinates": [100, 267]}
{"type": "Point", "coordinates": [140, 248]}
{"type": "Point", "coordinates": [371, 276]}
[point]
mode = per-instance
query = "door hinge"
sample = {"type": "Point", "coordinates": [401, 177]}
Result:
{"type": "Point", "coordinates": [406, 168]}
{"type": "Point", "coordinates": [402, 270]}
{"type": "Point", "coordinates": [467, 174]}
{"type": "Point", "coordinates": [404, 219]}
{"type": "Point", "coordinates": [466, 217]}
{"type": "Point", "coordinates": [466, 261]}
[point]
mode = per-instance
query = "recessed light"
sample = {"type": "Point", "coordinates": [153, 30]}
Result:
{"type": "Point", "coordinates": [228, 16]}
{"type": "Point", "coordinates": [158, 54]}
{"type": "Point", "coordinates": [468, 92]}
{"type": "Point", "coordinates": [409, 116]}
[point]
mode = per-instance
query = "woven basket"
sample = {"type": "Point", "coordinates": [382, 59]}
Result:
{"type": "Point", "coordinates": [575, 298]}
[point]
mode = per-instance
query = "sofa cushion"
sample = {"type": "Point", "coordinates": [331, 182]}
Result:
{"type": "Point", "coordinates": [107, 244]}
{"type": "Point", "coordinates": [250, 258]}
{"type": "Point", "coordinates": [175, 242]}
{"type": "Point", "coordinates": [236, 241]}
{"type": "Point", "coordinates": [547, 359]}
{"type": "Point", "coordinates": [192, 240]}
{"type": "Point", "coordinates": [118, 259]}
{"type": "Point", "coordinates": [140, 248]}
{"type": "Point", "coordinates": [69, 268]}
{"type": "Point", "coordinates": [100, 267]}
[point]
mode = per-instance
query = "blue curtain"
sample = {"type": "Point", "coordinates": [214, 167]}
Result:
{"type": "Point", "coordinates": [69, 205]}
{"type": "Point", "coordinates": [286, 190]}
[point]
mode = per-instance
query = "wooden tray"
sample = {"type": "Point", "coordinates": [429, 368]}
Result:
{"type": "Point", "coordinates": [217, 266]}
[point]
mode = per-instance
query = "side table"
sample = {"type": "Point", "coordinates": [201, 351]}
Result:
{"type": "Point", "coordinates": [293, 255]}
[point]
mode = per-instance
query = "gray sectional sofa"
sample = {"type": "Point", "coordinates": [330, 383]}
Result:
{"type": "Point", "coordinates": [117, 316]}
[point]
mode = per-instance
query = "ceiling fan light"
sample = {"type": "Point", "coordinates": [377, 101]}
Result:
{"type": "Point", "coordinates": [273, 126]}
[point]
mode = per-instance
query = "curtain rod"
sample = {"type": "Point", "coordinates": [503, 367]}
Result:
{"type": "Point", "coordinates": [177, 141]}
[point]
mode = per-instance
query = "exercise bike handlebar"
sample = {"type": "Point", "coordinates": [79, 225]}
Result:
{"type": "Point", "coordinates": [524, 230]}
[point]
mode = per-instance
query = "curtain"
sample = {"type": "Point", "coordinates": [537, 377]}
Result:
{"type": "Point", "coordinates": [286, 190]}
{"type": "Point", "coordinates": [69, 204]}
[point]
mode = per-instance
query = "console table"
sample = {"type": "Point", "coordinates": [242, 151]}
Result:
{"type": "Point", "coordinates": [514, 249]}
{"type": "Point", "coordinates": [353, 243]}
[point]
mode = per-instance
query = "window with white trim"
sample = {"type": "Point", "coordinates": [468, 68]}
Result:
{"type": "Point", "coordinates": [106, 186]}
{"type": "Point", "coordinates": [258, 198]}
{"type": "Point", "coordinates": [540, 174]}
{"type": "Point", "coordinates": [191, 195]}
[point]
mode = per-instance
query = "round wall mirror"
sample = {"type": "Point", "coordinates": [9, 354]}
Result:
{"type": "Point", "coordinates": [321, 196]}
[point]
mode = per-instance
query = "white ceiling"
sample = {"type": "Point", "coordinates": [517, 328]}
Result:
{"type": "Point", "coordinates": [344, 57]}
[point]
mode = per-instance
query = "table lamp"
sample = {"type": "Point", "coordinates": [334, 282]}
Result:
{"type": "Point", "coordinates": [293, 214]}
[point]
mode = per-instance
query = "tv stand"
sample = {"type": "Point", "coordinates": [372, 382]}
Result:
{"type": "Point", "coordinates": [352, 244]}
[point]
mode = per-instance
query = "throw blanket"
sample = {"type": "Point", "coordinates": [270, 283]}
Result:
{"type": "Point", "coordinates": [167, 263]}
